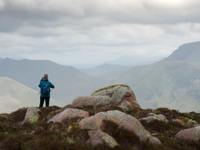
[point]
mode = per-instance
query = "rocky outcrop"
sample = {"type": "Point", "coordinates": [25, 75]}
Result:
{"type": "Point", "coordinates": [91, 100]}
{"type": "Point", "coordinates": [192, 134]}
{"type": "Point", "coordinates": [178, 121]}
{"type": "Point", "coordinates": [122, 96]}
{"type": "Point", "coordinates": [68, 114]}
{"type": "Point", "coordinates": [32, 115]}
{"type": "Point", "coordinates": [159, 117]}
{"type": "Point", "coordinates": [124, 121]}
{"type": "Point", "coordinates": [100, 138]}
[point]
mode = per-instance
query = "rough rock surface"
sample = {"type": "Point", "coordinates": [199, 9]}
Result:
{"type": "Point", "coordinates": [189, 134]}
{"type": "Point", "coordinates": [192, 122]}
{"type": "Point", "coordinates": [100, 138]}
{"type": "Point", "coordinates": [154, 140]}
{"type": "Point", "coordinates": [178, 121]}
{"type": "Point", "coordinates": [124, 121]}
{"type": "Point", "coordinates": [91, 100]}
{"type": "Point", "coordinates": [69, 113]}
{"type": "Point", "coordinates": [159, 117]}
{"type": "Point", "coordinates": [151, 114]}
{"type": "Point", "coordinates": [31, 115]}
{"type": "Point", "coordinates": [121, 96]}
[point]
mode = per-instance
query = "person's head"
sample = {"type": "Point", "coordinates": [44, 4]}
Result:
{"type": "Point", "coordinates": [45, 77]}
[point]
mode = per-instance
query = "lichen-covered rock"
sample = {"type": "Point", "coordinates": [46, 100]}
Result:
{"type": "Point", "coordinates": [68, 114]}
{"type": "Point", "coordinates": [91, 100]}
{"type": "Point", "coordinates": [192, 122]}
{"type": "Point", "coordinates": [124, 121]}
{"type": "Point", "coordinates": [189, 134]}
{"type": "Point", "coordinates": [159, 117]}
{"type": "Point", "coordinates": [151, 114]}
{"type": "Point", "coordinates": [100, 138]}
{"type": "Point", "coordinates": [122, 96]}
{"type": "Point", "coordinates": [178, 121]}
{"type": "Point", "coordinates": [154, 140]}
{"type": "Point", "coordinates": [32, 115]}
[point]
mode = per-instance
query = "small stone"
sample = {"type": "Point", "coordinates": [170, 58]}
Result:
{"type": "Point", "coordinates": [100, 138]}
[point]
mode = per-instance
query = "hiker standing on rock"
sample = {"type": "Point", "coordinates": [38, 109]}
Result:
{"type": "Point", "coordinates": [45, 86]}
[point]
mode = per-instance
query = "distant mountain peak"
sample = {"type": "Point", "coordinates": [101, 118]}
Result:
{"type": "Point", "coordinates": [186, 52]}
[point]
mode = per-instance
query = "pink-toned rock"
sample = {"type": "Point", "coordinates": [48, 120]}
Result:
{"type": "Point", "coordinates": [68, 114]}
{"type": "Point", "coordinates": [189, 134]}
{"type": "Point", "coordinates": [151, 114]}
{"type": "Point", "coordinates": [178, 121]}
{"type": "Point", "coordinates": [159, 117]}
{"type": "Point", "coordinates": [192, 122]}
{"type": "Point", "coordinates": [121, 96]}
{"type": "Point", "coordinates": [91, 100]}
{"type": "Point", "coordinates": [154, 140]}
{"type": "Point", "coordinates": [32, 115]}
{"type": "Point", "coordinates": [100, 138]}
{"type": "Point", "coordinates": [125, 121]}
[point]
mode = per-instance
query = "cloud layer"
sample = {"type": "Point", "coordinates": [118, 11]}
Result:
{"type": "Point", "coordinates": [74, 31]}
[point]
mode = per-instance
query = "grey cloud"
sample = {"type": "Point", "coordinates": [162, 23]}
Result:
{"type": "Point", "coordinates": [35, 28]}
{"type": "Point", "coordinates": [126, 11]}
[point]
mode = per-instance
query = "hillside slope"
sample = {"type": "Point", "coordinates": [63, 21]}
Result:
{"type": "Point", "coordinates": [133, 60]}
{"type": "Point", "coordinates": [175, 85]}
{"type": "Point", "coordinates": [69, 82]}
{"type": "Point", "coordinates": [187, 52]}
{"type": "Point", "coordinates": [106, 71]}
{"type": "Point", "coordinates": [14, 95]}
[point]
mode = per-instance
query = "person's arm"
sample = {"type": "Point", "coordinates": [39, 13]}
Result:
{"type": "Point", "coordinates": [40, 85]}
{"type": "Point", "coordinates": [51, 85]}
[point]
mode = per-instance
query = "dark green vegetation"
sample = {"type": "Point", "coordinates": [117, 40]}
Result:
{"type": "Point", "coordinates": [67, 135]}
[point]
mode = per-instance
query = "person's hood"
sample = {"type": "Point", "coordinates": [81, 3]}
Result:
{"type": "Point", "coordinates": [45, 80]}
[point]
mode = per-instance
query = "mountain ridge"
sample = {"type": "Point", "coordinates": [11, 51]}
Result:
{"type": "Point", "coordinates": [69, 82]}
{"type": "Point", "coordinates": [186, 52]}
{"type": "Point", "coordinates": [169, 84]}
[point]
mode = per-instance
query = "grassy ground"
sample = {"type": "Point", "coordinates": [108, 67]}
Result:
{"type": "Point", "coordinates": [67, 136]}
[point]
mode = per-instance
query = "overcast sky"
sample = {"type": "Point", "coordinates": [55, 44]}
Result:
{"type": "Point", "coordinates": [93, 31]}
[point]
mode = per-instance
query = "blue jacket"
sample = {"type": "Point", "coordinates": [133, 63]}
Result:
{"type": "Point", "coordinates": [43, 83]}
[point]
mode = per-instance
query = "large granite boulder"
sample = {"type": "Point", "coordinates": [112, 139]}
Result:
{"type": "Point", "coordinates": [32, 115]}
{"type": "Point", "coordinates": [68, 114]}
{"type": "Point", "coordinates": [192, 134]}
{"type": "Point", "coordinates": [100, 138]}
{"type": "Point", "coordinates": [124, 121]}
{"type": "Point", "coordinates": [159, 117]}
{"type": "Point", "coordinates": [121, 95]}
{"type": "Point", "coordinates": [91, 100]}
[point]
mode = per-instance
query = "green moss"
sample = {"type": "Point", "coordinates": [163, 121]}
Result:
{"type": "Point", "coordinates": [108, 87]}
{"type": "Point", "coordinates": [185, 119]}
{"type": "Point", "coordinates": [81, 107]}
{"type": "Point", "coordinates": [158, 112]}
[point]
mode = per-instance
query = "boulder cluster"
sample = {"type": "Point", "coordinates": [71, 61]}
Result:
{"type": "Point", "coordinates": [123, 97]}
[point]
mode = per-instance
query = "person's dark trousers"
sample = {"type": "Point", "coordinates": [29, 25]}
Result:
{"type": "Point", "coordinates": [42, 101]}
